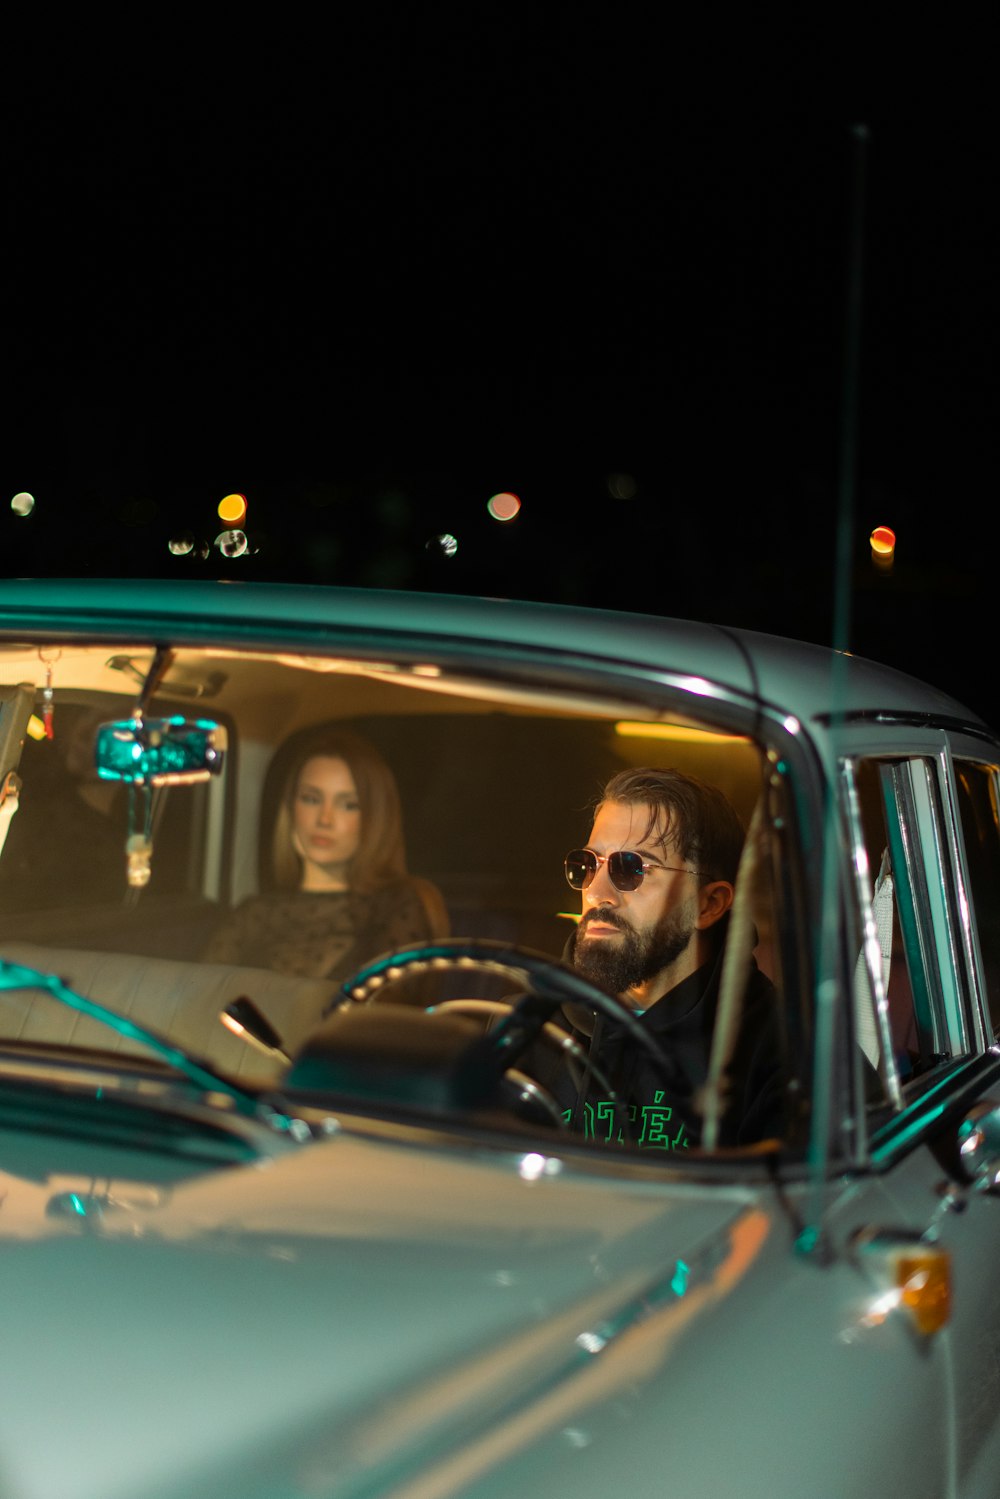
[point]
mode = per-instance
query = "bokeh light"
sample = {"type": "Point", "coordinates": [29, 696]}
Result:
{"type": "Point", "coordinates": [622, 486]}
{"type": "Point", "coordinates": [232, 509]}
{"type": "Point", "coordinates": [445, 544]}
{"type": "Point", "coordinates": [883, 544]}
{"type": "Point", "coordinates": [232, 543]}
{"type": "Point", "coordinates": [181, 544]}
{"type": "Point", "coordinates": [503, 506]}
{"type": "Point", "coordinates": [23, 503]}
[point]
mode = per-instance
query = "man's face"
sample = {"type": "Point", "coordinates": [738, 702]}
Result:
{"type": "Point", "coordinates": [629, 941]}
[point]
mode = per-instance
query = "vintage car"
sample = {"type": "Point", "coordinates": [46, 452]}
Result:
{"type": "Point", "coordinates": [280, 1229]}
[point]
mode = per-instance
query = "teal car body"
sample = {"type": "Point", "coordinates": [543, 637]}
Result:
{"type": "Point", "coordinates": [231, 1275]}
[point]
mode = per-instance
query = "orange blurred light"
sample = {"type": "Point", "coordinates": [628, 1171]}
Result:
{"type": "Point", "coordinates": [925, 1284]}
{"type": "Point", "coordinates": [232, 509]}
{"type": "Point", "coordinates": [504, 506]}
{"type": "Point", "coordinates": [883, 541]}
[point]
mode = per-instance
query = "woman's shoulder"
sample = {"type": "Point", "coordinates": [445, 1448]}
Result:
{"type": "Point", "coordinates": [433, 903]}
{"type": "Point", "coordinates": [414, 898]}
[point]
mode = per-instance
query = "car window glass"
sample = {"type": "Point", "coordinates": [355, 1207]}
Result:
{"type": "Point", "coordinates": [980, 818]}
{"type": "Point", "coordinates": [915, 786]}
{"type": "Point", "coordinates": [494, 787]}
{"type": "Point", "coordinates": [911, 906]}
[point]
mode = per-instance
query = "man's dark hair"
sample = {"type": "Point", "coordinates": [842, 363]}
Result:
{"type": "Point", "coordinates": [689, 818]}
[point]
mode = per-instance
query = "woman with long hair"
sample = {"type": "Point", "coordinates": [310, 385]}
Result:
{"type": "Point", "coordinates": [343, 894]}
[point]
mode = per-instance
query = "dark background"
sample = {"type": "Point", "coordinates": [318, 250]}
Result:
{"type": "Point", "coordinates": [371, 275]}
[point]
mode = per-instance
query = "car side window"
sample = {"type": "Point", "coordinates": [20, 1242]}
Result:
{"type": "Point", "coordinates": [979, 810]}
{"type": "Point", "coordinates": [912, 902]}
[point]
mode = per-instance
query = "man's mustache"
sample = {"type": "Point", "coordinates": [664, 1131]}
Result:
{"type": "Point", "coordinates": [606, 915]}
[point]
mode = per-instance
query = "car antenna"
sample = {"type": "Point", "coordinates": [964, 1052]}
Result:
{"type": "Point", "coordinates": [850, 390]}
{"type": "Point", "coordinates": [810, 1240]}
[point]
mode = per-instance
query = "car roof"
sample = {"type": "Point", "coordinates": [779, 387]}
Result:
{"type": "Point", "coordinates": [801, 677]}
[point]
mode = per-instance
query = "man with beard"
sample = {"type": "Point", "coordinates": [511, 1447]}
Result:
{"type": "Point", "coordinates": [657, 880]}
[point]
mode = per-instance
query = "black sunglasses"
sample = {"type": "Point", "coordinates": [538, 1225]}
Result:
{"type": "Point", "coordinates": [626, 868]}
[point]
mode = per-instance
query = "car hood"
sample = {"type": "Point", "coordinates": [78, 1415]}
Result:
{"type": "Point", "coordinates": [343, 1318]}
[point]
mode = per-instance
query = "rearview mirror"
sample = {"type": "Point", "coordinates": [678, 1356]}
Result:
{"type": "Point", "coordinates": [160, 751]}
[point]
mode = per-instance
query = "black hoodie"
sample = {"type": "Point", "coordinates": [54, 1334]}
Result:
{"type": "Point", "coordinates": [663, 1099]}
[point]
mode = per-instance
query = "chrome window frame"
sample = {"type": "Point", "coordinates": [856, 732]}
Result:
{"type": "Point", "coordinates": [975, 973]}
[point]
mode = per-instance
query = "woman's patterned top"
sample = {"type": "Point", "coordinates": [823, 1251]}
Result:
{"type": "Point", "coordinates": [325, 934]}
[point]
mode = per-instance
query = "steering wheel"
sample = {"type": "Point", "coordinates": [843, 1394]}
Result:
{"type": "Point", "coordinates": [547, 983]}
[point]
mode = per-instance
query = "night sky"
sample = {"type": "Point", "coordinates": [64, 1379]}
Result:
{"type": "Point", "coordinates": [371, 276]}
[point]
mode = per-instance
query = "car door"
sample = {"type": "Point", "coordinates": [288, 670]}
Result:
{"type": "Point", "coordinates": [924, 819]}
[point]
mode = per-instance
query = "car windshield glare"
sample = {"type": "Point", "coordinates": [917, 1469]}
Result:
{"type": "Point", "coordinates": [319, 811]}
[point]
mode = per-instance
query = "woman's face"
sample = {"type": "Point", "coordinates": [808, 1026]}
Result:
{"type": "Point", "coordinates": [326, 822]}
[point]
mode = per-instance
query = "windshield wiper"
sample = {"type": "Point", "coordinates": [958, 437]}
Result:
{"type": "Point", "coordinates": [17, 976]}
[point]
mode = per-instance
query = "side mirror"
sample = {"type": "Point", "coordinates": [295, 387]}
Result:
{"type": "Point", "coordinates": [160, 751]}
{"type": "Point", "coordinates": [979, 1146]}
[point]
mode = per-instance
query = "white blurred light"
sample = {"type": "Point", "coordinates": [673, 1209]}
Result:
{"type": "Point", "coordinates": [181, 545]}
{"type": "Point", "coordinates": [446, 544]}
{"type": "Point", "coordinates": [232, 543]}
{"type": "Point", "coordinates": [23, 503]}
{"type": "Point", "coordinates": [531, 1167]}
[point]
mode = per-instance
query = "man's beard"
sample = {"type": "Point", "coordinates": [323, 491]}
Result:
{"type": "Point", "coordinates": [620, 964]}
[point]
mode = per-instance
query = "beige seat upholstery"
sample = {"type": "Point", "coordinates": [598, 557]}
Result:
{"type": "Point", "coordinates": [181, 1001]}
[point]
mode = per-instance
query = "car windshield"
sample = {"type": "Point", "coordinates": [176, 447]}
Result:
{"type": "Point", "coordinates": [194, 831]}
